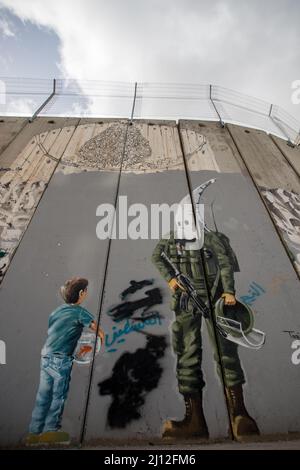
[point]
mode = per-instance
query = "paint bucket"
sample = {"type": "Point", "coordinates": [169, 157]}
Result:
{"type": "Point", "coordinates": [84, 351]}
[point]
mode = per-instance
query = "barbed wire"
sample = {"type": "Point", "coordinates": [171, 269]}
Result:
{"type": "Point", "coordinates": [96, 98]}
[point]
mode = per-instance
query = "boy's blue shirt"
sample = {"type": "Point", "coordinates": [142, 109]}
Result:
{"type": "Point", "coordinates": [65, 327]}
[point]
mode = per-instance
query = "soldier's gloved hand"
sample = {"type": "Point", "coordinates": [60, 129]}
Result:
{"type": "Point", "coordinates": [174, 284]}
{"type": "Point", "coordinates": [229, 299]}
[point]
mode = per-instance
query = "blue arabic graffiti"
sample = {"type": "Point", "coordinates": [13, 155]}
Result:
{"type": "Point", "coordinates": [255, 290]}
{"type": "Point", "coordinates": [117, 335]}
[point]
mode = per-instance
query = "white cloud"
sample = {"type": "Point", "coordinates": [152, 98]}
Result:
{"type": "Point", "coordinates": [125, 40]}
{"type": "Point", "coordinates": [21, 106]}
{"type": "Point", "coordinates": [6, 28]}
{"type": "Point", "coordinates": [248, 46]}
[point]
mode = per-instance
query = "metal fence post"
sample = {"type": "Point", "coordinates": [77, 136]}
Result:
{"type": "Point", "coordinates": [37, 112]}
{"type": "Point", "coordinates": [133, 103]}
{"type": "Point", "coordinates": [297, 140]}
{"type": "Point", "coordinates": [222, 123]}
{"type": "Point", "coordinates": [280, 127]}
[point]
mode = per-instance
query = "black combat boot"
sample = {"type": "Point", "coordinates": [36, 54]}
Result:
{"type": "Point", "coordinates": [193, 424]}
{"type": "Point", "coordinates": [242, 424]}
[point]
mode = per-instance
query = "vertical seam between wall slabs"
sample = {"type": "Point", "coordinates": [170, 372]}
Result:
{"type": "Point", "coordinates": [25, 124]}
{"type": "Point", "coordinates": [285, 156]}
{"type": "Point", "coordinates": [189, 183]}
{"type": "Point", "coordinates": [102, 290]}
{"type": "Point", "coordinates": [30, 119]}
{"type": "Point", "coordinates": [264, 203]}
{"type": "Point", "coordinates": [40, 200]}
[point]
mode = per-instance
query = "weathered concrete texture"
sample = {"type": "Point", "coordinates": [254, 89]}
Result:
{"type": "Point", "coordinates": [205, 147]}
{"type": "Point", "coordinates": [277, 181]}
{"type": "Point", "coordinates": [38, 126]}
{"type": "Point", "coordinates": [291, 153]}
{"type": "Point", "coordinates": [266, 163]}
{"type": "Point", "coordinates": [272, 380]}
{"type": "Point", "coordinates": [22, 186]}
{"type": "Point", "coordinates": [9, 128]}
{"type": "Point", "coordinates": [134, 387]}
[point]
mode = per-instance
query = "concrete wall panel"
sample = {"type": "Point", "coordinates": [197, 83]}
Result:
{"type": "Point", "coordinates": [131, 388]}
{"type": "Point", "coordinates": [9, 128]}
{"type": "Point", "coordinates": [59, 243]}
{"type": "Point", "coordinates": [38, 126]}
{"type": "Point", "coordinates": [267, 281]}
{"type": "Point", "coordinates": [277, 181]}
{"type": "Point", "coordinates": [291, 153]}
{"type": "Point", "coordinates": [23, 185]}
{"type": "Point", "coordinates": [134, 388]}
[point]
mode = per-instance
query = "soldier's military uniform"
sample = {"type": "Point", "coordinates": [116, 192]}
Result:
{"type": "Point", "coordinates": [186, 331]}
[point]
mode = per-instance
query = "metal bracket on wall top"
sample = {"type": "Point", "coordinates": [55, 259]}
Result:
{"type": "Point", "coordinates": [280, 127]}
{"type": "Point", "coordinates": [37, 112]}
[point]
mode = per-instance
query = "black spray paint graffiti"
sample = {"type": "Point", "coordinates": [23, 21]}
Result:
{"type": "Point", "coordinates": [127, 309]}
{"type": "Point", "coordinates": [134, 374]}
{"type": "Point", "coordinates": [135, 286]}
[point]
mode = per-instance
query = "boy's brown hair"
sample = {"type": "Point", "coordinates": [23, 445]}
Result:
{"type": "Point", "coordinates": [70, 290]}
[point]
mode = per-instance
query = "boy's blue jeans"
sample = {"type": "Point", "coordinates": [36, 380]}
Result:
{"type": "Point", "coordinates": [52, 393]}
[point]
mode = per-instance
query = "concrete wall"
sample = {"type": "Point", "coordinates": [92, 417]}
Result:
{"type": "Point", "coordinates": [240, 212]}
{"type": "Point", "coordinates": [54, 175]}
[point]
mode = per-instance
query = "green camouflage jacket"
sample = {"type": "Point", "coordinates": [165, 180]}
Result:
{"type": "Point", "coordinates": [189, 262]}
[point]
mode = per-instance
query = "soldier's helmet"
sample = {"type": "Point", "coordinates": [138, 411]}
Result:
{"type": "Point", "coordinates": [237, 324]}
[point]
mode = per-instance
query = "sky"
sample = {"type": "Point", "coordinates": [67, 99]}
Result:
{"type": "Point", "coordinates": [249, 46]}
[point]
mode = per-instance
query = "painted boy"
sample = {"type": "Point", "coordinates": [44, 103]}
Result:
{"type": "Point", "coordinates": [64, 330]}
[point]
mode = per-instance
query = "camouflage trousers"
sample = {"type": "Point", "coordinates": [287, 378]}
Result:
{"type": "Point", "coordinates": [187, 345]}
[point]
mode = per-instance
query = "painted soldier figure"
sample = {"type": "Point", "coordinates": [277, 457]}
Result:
{"type": "Point", "coordinates": [184, 253]}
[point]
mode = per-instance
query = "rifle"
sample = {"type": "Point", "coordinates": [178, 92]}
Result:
{"type": "Point", "coordinates": [188, 288]}
{"type": "Point", "coordinates": [191, 292]}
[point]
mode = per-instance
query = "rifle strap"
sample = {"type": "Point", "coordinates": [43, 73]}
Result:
{"type": "Point", "coordinates": [215, 286]}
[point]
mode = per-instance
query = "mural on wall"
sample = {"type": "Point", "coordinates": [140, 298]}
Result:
{"type": "Point", "coordinates": [104, 151]}
{"type": "Point", "coordinates": [152, 363]}
{"type": "Point", "coordinates": [18, 200]}
{"type": "Point", "coordinates": [277, 181]}
{"type": "Point", "coordinates": [266, 277]}
{"type": "Point", "coordinates": [65, 327]}
{"type": "Point", "coordinates": [179, 260]}
{"type": "Point", "coordinates": [23, 184]}
{"type": "Point", "coordinates": [135, 374]}
{"type": "Point", "coordinates": [285, 207]}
